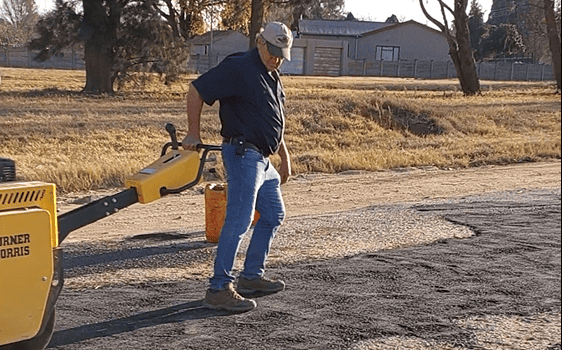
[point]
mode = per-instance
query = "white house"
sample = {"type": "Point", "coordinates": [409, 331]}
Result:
{"type": "Point", "coordinates": [403, 41]}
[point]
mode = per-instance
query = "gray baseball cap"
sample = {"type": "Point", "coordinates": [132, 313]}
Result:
{"type": "Point", "coordinates": [279, 40]}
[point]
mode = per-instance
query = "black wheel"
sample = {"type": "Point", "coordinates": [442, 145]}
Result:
{"type": "Point", "coordinates": [40, 341]}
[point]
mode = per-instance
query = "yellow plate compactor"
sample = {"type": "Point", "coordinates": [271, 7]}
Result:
{"type": "Point", "coordinates": [31, 274]}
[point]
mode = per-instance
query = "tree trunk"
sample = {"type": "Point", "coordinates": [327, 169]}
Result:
{"type": "Point", "coordinates": [100, 28]}
{"type": "Point", "coordinates": [460, 49]}
{"type": "Point", "coordinates": [98, 61]}
{"type": "Point", "coordinates": [258, 11]}
{"type": "Point", "coordinates": [468, 77]}
{"type": "Point", "coordinates": [553, 39]}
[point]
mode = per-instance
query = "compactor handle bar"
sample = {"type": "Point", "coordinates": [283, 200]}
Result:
{"type": "Point", "coordinates": [206, 149]}
{"type": "Point", "coordinates": [109, 205]}
{"type": "Point", "coordinates": [175, 146]}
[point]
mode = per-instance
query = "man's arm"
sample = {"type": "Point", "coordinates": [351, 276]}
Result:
{"type": "Point", "coordinates": [194, 108]}
{"type": "Point", "coordinates": [285, 168]}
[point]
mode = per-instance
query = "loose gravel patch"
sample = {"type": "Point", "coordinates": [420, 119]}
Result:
{"type": "Point", "coordinates": [176, 256]}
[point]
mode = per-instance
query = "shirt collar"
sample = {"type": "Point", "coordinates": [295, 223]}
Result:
{"type": "Point", "coordinates": [254, 53]}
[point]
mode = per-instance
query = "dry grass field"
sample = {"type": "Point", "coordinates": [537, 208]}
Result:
{"type": "Point", "coordinates": [80, 142]}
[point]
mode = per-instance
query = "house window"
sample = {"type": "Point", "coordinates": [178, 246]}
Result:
{"type": "Point", "coordinates": [388, 53]}
{"type": "Point", "coordinates": [206, 50]}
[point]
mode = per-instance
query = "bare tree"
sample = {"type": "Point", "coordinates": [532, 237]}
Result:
{"type": "Point", "coordinates": [19, 18]}
{"type": "Point", "coordinates": [19, 13]}
{"type": "Point", "coordinates": [9, 35]}
{"type": "Point", "coordinates": [185, 17]}
{"type": "Point", "coordinates": [553, 39]}
{"type": "Point", "coordinates": [460, 49]}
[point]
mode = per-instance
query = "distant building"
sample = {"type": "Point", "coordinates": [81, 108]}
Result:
{"type": "Point", "coordinates": [329, 47]}
{"type": "Point", "coordinates": [348, 31]}
{"type": "Point", "coordinates": [380, 40]}
{"type": "Point", "coordinates": [403, 41]}
{"type": "Point", "coordinates": [216, 45]}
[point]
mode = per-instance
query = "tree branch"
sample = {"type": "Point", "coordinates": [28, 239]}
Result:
{"type": "Point", "coordinates": [433, 20]}
{"type": "Point", "coordinates": [446, 26]}
{"type": "Point", "coordinates": [444, 5]}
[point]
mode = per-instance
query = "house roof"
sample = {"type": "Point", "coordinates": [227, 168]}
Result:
{"type": "Point", "coordinates": [218, 35]}
{"type": "Point", "coordinates": [338, 28]}
{"type": "Point", "coordinates": [403, 24]}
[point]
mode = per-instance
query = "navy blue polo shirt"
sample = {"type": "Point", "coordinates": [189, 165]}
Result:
{"type": "Point", "coordinates": [251, 99]}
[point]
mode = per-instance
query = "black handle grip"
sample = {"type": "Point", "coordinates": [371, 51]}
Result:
{"type": "Point", "coordinates": [209, 147]}
{"type": "Point", "coordinates": [171, 129]}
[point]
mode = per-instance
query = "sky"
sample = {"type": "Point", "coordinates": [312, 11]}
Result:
{"type": "Point", "coordinates": [380, 10]}
{"type": "Point", "coordinates": [44, 5]}
{"type": "Point", "coordinates": [375, 10]}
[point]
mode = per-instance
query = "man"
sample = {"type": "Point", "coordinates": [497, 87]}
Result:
{"type": "Point", "coordinates": [252, 116]}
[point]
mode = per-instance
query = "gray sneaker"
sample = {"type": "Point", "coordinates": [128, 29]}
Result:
{"type": "Point", "coordinates": [259, 286]}
{"type": "Point", "coordinates": [228, 299]}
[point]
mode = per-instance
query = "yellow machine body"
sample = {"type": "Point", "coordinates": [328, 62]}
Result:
{"type": "Point", "coordinates": [31, 271]}
{"type": "Point", "coordinates": [171, 171]}
{"type": "Point", "coordinates": [28, 239]}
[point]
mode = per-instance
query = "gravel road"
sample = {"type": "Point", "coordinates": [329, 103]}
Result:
{"type": "Point", "coordinates": [369, 278]}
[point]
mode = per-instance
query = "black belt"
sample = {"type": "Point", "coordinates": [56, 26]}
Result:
{"type": "Point", "coordinates": [236, 141]}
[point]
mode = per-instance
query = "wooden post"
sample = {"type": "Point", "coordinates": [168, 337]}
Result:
{"type": "Point", "coordinates": [431, 70]}
{"type": "Point", "coordinates": [480, 70]}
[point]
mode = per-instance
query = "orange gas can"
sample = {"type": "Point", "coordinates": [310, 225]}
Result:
{"type": "Point", "coordinates": [215, 211]}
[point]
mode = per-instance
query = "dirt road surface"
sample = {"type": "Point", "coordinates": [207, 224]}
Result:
{"type": "Point", "coordinates": [400, 259]}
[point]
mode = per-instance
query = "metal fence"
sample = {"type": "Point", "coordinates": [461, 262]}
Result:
{"type": "Point", "coordinates": [514, 71]}
{"type": "Point", "coordinates": [441, 70]}
{"type": "Point", "coordinates": [199, 64]}
{"type": "Point", "coordinates": [23, 57]}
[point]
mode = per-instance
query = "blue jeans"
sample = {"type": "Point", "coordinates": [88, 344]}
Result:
{"type": "Point", "coordinates": [253, 183]}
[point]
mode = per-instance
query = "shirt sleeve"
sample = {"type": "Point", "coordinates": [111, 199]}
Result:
{"type": "Point", "coordinates": [218, 83]}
